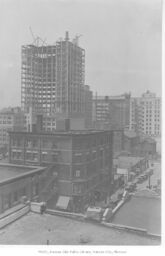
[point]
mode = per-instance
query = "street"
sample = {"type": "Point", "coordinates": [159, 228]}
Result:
{"type": "Point", "coordinates": [153, 178]}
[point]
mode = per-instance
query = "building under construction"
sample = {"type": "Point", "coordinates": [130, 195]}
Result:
{"type": "Point", "coordinates": [53, 80]}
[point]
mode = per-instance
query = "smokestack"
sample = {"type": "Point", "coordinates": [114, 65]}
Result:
{"type": "Point", "coordinates": [66, 36]}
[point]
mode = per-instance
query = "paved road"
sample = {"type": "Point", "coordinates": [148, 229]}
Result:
{"type": "Point", "coordinates": [153, 179]}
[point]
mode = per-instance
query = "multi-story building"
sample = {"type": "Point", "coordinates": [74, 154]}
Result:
{"type": "Point", "coordinates": [23, 183]}
{"type": "Point", "coordinates": [88, 107]}
{"type": "Point", "coordinates": [82, 159]}
{"type": "Point", "coordinates": [111, 111]}
{"type": "Point", "coordinates": [133, 124]}
{"type": "Point", "coordinates": [145, 114]}
{"type": "Point", "coordinates": [138, 145]}
{"type": "Point", "coordinates": [101, 111]}
{"type": "Point", "coordinates": [11, 119]}
{"type": "Point", "coordinates": [53, 80]}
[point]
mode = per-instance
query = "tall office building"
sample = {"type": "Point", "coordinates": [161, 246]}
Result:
{"type": "Point", "coordinates": [53, 79]}
{"type": "Point", "coordinates": [145, 114]}
{"type": "Point", "coordinates": [111, 111]}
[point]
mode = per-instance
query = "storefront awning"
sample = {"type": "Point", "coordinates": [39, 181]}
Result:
{"type": "Point", "coordinates": [63, 202]}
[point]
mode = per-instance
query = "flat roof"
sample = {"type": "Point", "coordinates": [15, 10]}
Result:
{"type": "Point", "coordinates": [9, 172]}
{"type": "Point", "coordinates": [36, 229]}
{"type": "Point", "coordinates": [130, 134]}
{"type": "Point", "coordinates": [76, 132]}
{"type": "Point", "coordinates": [126, 161]}
{"type": "Point", "coordinates": [141, 212]}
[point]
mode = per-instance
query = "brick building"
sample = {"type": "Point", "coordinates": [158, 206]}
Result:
{"type": "Point", "coordinates": [11, 119]}
{"type": "Point", "coordinates": [18, 182]}
{"type": "Point", "coordinates": [111, 111]}
{"type": "Point", "coordinates": [82, 159]}
{"type": "Point", "coordinates": [138, 145]}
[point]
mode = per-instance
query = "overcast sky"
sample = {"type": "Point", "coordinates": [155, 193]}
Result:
{"type": "Point", "coordinates": [122, 39]}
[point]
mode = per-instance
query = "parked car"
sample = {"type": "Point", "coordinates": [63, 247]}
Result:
{"type": "Point", "coordinates": [131, 187]}
{"type": "Point", "coordinates": [146, 175]}
{"type": "Point", "coordinates": [140, 179]}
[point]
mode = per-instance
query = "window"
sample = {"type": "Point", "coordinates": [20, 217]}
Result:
{"type": "Point", "coordinates": [7, 201]}
{"type": "Point", "coordinates": [88, 157]}
{"type": "Point", "coordinates": [77, 173]}
{"type": "Point", "coordinates": [55, 156]}
{"type": "Point", "coordinates": [78, 158]}
{"type": "Point", "coordinates": [77, 189]}
{"type": "Point", "coordinates": [15, 196]}
{"type": "Point", "coordinates": [31, 156]}
{"type": "Point", "coordinates": [23, 191]}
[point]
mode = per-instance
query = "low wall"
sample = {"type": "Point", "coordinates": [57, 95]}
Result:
{"type": "Point", "coordinates": [139, 231]}
{"type": "Point", "coordinates": [66, 214]}
{"type": "Point", "coordinates": [14, 216]}
{"type": "Point", "coordinates": [118, 206]}
{"type": "Point", "coordinates": [82, 217]}
{"type": "Point", "coordinates": [123, 227]}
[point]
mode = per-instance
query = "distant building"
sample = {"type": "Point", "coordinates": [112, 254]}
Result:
{"type": "Point", "coordinates": [145, 114]}
{"type": "Point", "coordinates": [111, 112]}
{"type": "Point", "coordinates": [53, 82]}
{"type": "Point", "coordinates": [131, 140]}
{"type": "Point", "coordinates": [146, 147]}
{"type": "Point", "coordinates": [133, 124]}
{"type": "Point", "coordinates": [129, 166]}
{"type": "Point", "coordinates": [82, 159]}
{"type": "Point", "coordinates": [11, 119]}
{"type": "Point", "coordinates": [138, 145]}
{"type": "Point", "coordinates": [118, 141]}
{"type": "Point", "coordinates": [88, 95]}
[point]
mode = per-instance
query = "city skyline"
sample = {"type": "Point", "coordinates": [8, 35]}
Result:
{"type": "Point", "coordinates": [81, 123]}
{"type": "Point", "coordinates": [125, 36]}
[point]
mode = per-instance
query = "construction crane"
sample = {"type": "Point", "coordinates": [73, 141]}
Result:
{"type": "Point", "coordinates": [37, 39]}
{"type": "Point", "coordinates": [76, 39]}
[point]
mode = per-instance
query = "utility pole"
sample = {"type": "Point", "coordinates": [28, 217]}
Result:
{"type": "Point", "coordinates": [149, 182]}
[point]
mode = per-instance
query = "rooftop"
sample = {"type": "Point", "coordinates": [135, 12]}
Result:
{"type": "Point", "coordinates": [71, 132]}
{"type": "Point", "coordinates": [146, 139]}
{"type": "Point", "coordinates": [130, 134]}
{"type": "Point", "coordinates": [126, 161]}
{"type": "Point", "coordinates": [10, 110]}
{"type": "Point", "coordinates": [112, 97]}
{"type": "Point", "coordinates": [142, 211]}
{"type": "Point", "coordinates": [35, 229]}
{"type": "Point", "coordinates": [9, 172]}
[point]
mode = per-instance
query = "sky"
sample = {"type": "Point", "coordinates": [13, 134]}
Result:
{"type": "Point", "coordinates": [121, 38]}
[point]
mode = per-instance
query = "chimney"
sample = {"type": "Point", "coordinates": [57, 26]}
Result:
{"type": "Point", "coordinates": [66, 36]}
